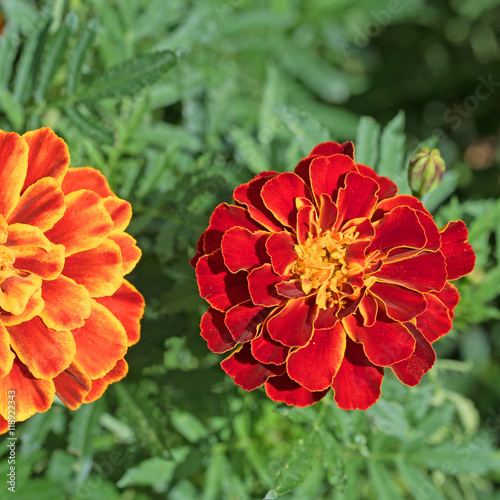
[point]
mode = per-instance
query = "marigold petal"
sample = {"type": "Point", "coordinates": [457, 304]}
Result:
{"type": "Point", "coordinates": [250, 195]}
{"type": "Point", "coordinates": [401, 200]}
{"type": "Point", "coordinates": [460, 258]}
{"type": "Point", "coordinates": [244, 250]}
{"type": "Point", "coordinates": [86, 178]}
{"type": "Point", "coordinates": [280, 248]}
{"type": "Point", "coordinates": [401, 304]}
{"type": "Point", "coordinates": [33, 308]}
{"type": "Point", "coordinates": [435, 321]}
{"type": "Point", "coordinates": [327, 212]}
{"type": "Point", "coordinates": [221, 288]}
{"type": "Point", "coordinates": [449, 296]}
{"type": "Point", "coordinates": [6, 355]}
{"type": "Point", "coordinates": [100, 343]}
{"type": "Point", "coordinates": [431, 231]}
{"type": "Point", "coordinates": [243, 320]}
{"type": "Point", "coordinates": [44, 351]}
{"type": "Point", "coordinates": [4, 424]}
{"type": "Point", "coordinates": [306, 217]}
{"type": "Point", "coordinates": [131, 253]}
{"type": "Point", "coordinates": [215, 332]}
{"type": "Point", "coordinates": [279, 194]}
{"type": "Point", "coordinates": [41, 205]}
{"type": "Point", "coordinates": [384, 343]}
{"type": "Point", "coordinates": [314, 365]}
{"type": "Point", "coordinates": [48, 156]}
{"type": "Point", "coordinates": [67, 304]}
{"type": "Point", "coordinates": [84, 225]}
{"type": "Point", "coordinates": [119, 210]}
{"type": "Point", "coordinates": [127, 305]}
{"type": "Point", "coordinates": [72, 385]}
{"type": "Point", "coordinates": [293, 324]}
{"type": "Point", "coordinates": [246, 371]}
{"type": "Point", "coordinates": [368, 308]}
{"type": "Point", "coordinates": [32, 395]}
{"type": "Point", "coordinates": [410, 371]}
{"type": "Point", "coordinates": [262, 283]}
{"type": "Point", "coordinates": [13, 168]}
{"type": "Point", "coordinates": [283, 389]}
{"type": "Point", "coordinates": [357, 385]}
{"type": "Point", "coordinates": [387, 189]}
{"type": "Point", "coordinates": [16, 292]}
{"type": "Point", "coordinates": [268, 351]}
{"type": "Point", "coordinates": [99, 385]}
{"type": "Point", "coordinates": [99, 270]}
{"type": "Point", "coordinates": [199, 250]}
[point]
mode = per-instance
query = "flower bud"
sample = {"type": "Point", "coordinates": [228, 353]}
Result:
{"type": "Point", "coordinates": [426, 171]}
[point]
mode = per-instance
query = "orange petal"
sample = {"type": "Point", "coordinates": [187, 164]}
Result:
{"type": "Point", "coordinates": [100, 343]}
{"type": "Point", "coordinates": [127, 305]}
{"type": "Point", "coordinates": [32, 395]}
{"type": "Point", "coordinates": [119, 210]}
{"type": "Point", "coordinates": [48, 156]}
{"type": "Point", "coordinates": [13, 167]}
{"type": "Point", "coordinates": [6, 355]}
{"type": "Point", "coordinates": [67, 304]}
{"type": "Point", "coordinates": [3, 230]}
{"type": "Point", "coordinates": [84, 225]}
{"type": "Point", "coordinates": [100, 385]}
{"type": "Point", "coordinates": [4, 425]}
{"type": "Point", "coordinates": [99, 270]}
{"type": "Point", "coordinates": [41, 205]}
{"type": "Point", "coordinates": [33, 308]}
{"type": "Point", "coordinates": [16, 291]}
{"type": "Point", "coordinates": [44, 351]}
{"type": "Point", "coordinates": [72, 385]}
{"type": "Point", "coordinates": [131, 253]}
{"type": "Point", "coordinates": [86, 178]}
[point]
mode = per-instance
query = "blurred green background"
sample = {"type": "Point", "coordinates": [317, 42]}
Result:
{"type": "Point", "coordinates": [177, 103]}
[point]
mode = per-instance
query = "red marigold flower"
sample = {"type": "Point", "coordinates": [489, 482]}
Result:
{"type": "Point", "coordinates": [322, 277]}
{"type": "Point", "coordinates": [67, 315]}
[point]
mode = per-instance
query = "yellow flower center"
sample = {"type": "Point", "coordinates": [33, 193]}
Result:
{"type": "Point", "coordinates": [321, 266]}
{"type": "Point", "coordinates": [7, 258]}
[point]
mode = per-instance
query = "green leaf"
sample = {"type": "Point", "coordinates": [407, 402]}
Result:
{"type": "Point", "coordinates": [418, 483]}
{"type": "Point", "coordinates": [250, 151]}
{"type": "Point", "coordinates": [188, 425]}
{"type": "Point", "coordinates": [217, 471]}
{"type": "Point", "coordinates": [129, 77]}
{"type": "Point", "coordinates": [12, 109]}
{"type": "Point", "coordinates": [367, 139]}
{"type": "Point", "coordinates": [9, 43]}
{"type": "Point", "coordinates": [89, 126]}
{"type": "Point", "coordinates": [390, 417]}
{"type": "Point", "coordinates": [382, 481]}
{"type": "Point", "coordinates": [152, 471]}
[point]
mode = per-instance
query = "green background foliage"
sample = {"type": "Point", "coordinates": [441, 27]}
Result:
{"type": "Point", "coordinates": [177, 103]}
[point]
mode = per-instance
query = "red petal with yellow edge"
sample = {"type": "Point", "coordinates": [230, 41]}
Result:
{"type": "Point", "coordinates": [358, 381]}
{"type": "Point", "coordinates": [326, 318]}
{"type": "Point", "coordinates": [250, 195]}
{"type": "Point", "coordinates": [246, 371]}
{"type": "Point", "coordinates": [4, 424]}
{"type": "Point", "coordinates": [384, 343]}
{"type": "Point", "coordinates": [100, 343]}
{"type": "Point", "coordinates": [431, 231]}
{"type": "Point", "coordinates": [22, 235]}
{"type": "Point", "coordinates": [279, 194]}
{"type": "Point", "coordinates": [33, 308]}
{"type": "Point", "coordinates": [72, 385]}
{"type": "Point", "coordinates": [387, 187]}
{"type": "Point", "coordinates": [225, 217]}
{"type": "Point", "coordinates": [449, 296]}
{"type": "Point", "coordinates": [242, 320]}
{"type": "Point", "coordinates": [357, 199]}
{"type": "Point", "coordinates": [291, 289]}
{"type": "Point", "coordinates": [86, 178]}
{"type": "Point", "coordinates": [411, 370]}
{"type": "Point", "coordinates": [47, 265]}
{"type": "Point", "coordinates": [402, 200]}
{"type": "Point", "coordinates": [6, 355]}
{"type": "Point", "coordinates": [48, 156]}
{"type": "Point", "coordinates": [460, 258]}
{"type": "Point", "coordinates": [99, 270]}
{"type": "Point", "coordinates": [67, 304]}
{"type": "Point", "coordinates": [314, 365]}
{"type": "Point", "coordinates": [215, 332]}
{"type": "Point", "coordinates": [84, 225]}
{"type": "Point", "coordinates": [126, 304]}
{"type": "Point", "coordinates": [327, 213]}
{"type": "Point", "coordinates": [399, 228]}
{"type": "Point", "coordinates": [305, 219]}
{"type": "Point", "coordinates": [283, 389]}
{"type": "Point", "coordinates": [16, 291]}
{"type": "Point", "coordinates": [424, 272]}
{"type": "Point", "coordinates": [131, 253]}
{"type": "Point", "coordinates": [218, 285]}
{"type": "Point", "coordinates": [435, 321]}
{"type": "Point", "coordinates": [41, 205]}
{"type": "Point", "coordinates": [293, 324]}
{"type": "Point", "coordinates": [268, 351]}
{"type": "Point", "coordinates": [401, 304]}
{"type": "Point", "coordinates": [32, 395]}
{"type": "Point", "coordinates": [13, 168]}
{"type": "Point", "coordinates": [280, 248]}
{"type": "Point", "coordinates": [244, 250]}
{"type": "Point", "coordinates": [328, 173]}
{"type": "Point", "coordinates": [45, 352]}
{"type": "Point", "coordinates": [100, 385]}
{"type": "Point", "coordinates": [199, 250]}
{"type": "Point", "coordinates": [368, 308]}
{"type": "Point", "coordinates": [261, 285]}
{"type": "Point", "coordinates": [119, 210]}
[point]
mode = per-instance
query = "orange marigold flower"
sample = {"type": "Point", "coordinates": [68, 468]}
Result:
{"type": "Point", "coordinates": [322, 277]}
{"type": "Point", "coordinates": [67, 315]}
